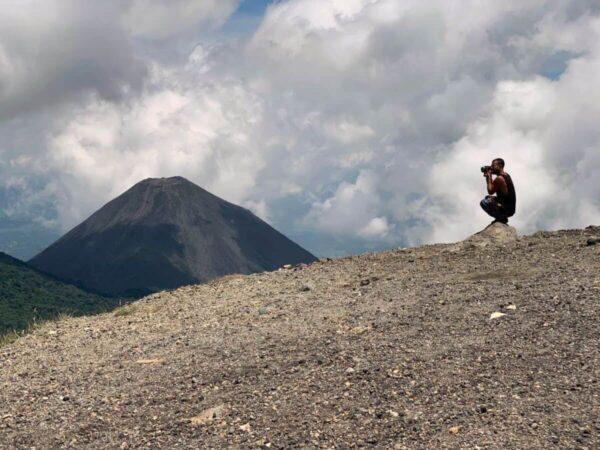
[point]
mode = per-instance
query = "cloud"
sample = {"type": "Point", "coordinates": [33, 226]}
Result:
{"type": "Point", "coordinates": [157, 19]}
{"type": "Point", "coordinates": [365, 120]}
{"type": "Point", "coordinates": [207, 135]}
{"type": "Point", "coordinates": [547, 132]}
{"type": "Point", "coordinates": [52, 50]}
{"type": "Point", "coordinates": [352, 209]}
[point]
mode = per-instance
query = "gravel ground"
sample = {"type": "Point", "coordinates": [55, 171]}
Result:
{"type": "Point", "coordinates": [387, 350]}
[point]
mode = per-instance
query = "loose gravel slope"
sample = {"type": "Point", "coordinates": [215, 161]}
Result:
{"type": "Point", "coordinates": [388, 350]}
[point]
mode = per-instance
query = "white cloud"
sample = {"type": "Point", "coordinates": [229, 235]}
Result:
{"type": "Point", "coordinates": [351, 210]}
{"type": "Point", "coordinates": [206, 135]}
{"type": "Point", "coordinates": [377, 228]}
{"type": "Point", "coordinates": [370, 117]}
{"type": "Point", "coordinates": [157, 19]}
{"type": "Point", "coordinates": [52, 50]}
{"type": "Point", "coordinates": [546, 132]}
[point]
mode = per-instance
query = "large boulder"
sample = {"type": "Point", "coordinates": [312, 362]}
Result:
{"type": "Point", "coordinates": [495, 234]}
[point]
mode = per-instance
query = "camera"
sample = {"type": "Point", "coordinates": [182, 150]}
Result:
{"type": "Point", "coordinates": [485, 169]}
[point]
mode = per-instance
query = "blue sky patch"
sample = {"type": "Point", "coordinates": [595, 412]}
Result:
{"type": "Point", "coordinates": [556, 65]}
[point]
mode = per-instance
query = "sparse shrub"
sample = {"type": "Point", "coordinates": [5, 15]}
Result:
{"type": "Point", "coordinates": [8, 338]}
{"type": "Point", "coordinates": [125, 310]}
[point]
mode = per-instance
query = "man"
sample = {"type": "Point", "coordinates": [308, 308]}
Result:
{"type": "Point", "coordinates": [502, 205]}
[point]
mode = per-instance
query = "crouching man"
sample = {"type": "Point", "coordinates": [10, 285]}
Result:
{"type": "Point", "coordinates": [502, 205]}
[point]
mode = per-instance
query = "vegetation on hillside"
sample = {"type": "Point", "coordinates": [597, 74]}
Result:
{"type": "Point", "coordinates": [28, 296]}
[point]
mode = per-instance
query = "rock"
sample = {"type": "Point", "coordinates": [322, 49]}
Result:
{"type": "Point", "coordinates": [360, 329]}
{"type": "Point", "coordinates": [150, 361]}
{"type": "Point", "coordinates": [208, 415]}
{"type": "Point", "coordinates": [245, 427]}
{"type": "Point", "coordinates": [511, 307]}
{"type": "Point", "coordinates": [494, 234]}
{"type": "Point", "coordinates": [454, 430]}
{"type": "Point", "coordinates": [592, 241]}
{"type": "Point", "coordinates": [497, 315]}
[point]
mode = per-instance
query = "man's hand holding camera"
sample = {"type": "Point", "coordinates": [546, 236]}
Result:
{"type": "Point", "coordinates": [487, 171]}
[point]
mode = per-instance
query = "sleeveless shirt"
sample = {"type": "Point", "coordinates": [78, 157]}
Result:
{"type": "Point", "coordinates": [508, 200]}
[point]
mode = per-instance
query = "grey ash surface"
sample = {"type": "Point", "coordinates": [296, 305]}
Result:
{"type": "Point", "coordinates": [387, 350]}
{"type": "Point", "coordinates": [164, 233]}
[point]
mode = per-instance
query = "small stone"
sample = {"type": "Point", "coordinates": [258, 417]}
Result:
{"type": "Point", "coordinates": [305, 288]}
{"type": "Point", "coordinates": [150, 361]}
{"type": "Point", "coordinates": [454, 430]}
{"type": "Point", "coordinates": [65, 398]}
{"type": "Point", "coordinates": [287, 266]}
{"type": "Point", "coordinates": [496, 315]}
{"type": "Point", "coordinates": [360, 329]}
{"type": "Point", "coordinates": [592, 241]}
{"type": "Point", "coordinates": [262, 311]}
{"type": "Point", "coordinates": [245, 427]}
{"type": "Point", "coordinates": [349, 370]}
{"type": "Point", "coordinates": [208, 415]}
{"type": "Point", "coordinates": [511, 307]}
{"type": "Point", "coordinates": [365, 282]}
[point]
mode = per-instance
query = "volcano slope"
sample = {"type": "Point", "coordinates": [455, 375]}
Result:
{"type": "Point", "coordinates": [161, 234]}
{"type": "Point", "coordinates": [388, 350]}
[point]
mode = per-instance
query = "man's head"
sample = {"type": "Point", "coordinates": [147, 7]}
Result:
{"type": "Point", "coordinates": [497, 165]}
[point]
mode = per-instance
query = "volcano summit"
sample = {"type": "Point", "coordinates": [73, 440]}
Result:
{"type": "Point", "coordinates": [164, 233]}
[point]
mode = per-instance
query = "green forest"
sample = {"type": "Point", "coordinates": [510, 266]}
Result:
{"type": "Point", "coordinates": [28, 296]}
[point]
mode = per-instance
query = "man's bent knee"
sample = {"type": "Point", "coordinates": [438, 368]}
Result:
{"type": "Point", "coordinates": [485, 204]}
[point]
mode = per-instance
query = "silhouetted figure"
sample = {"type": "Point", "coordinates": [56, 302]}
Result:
{"type": "Point", "coordinates": [502, 205]}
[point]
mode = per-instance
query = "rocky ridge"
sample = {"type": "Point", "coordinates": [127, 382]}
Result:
{"type": "Point", "coordinates": [441, 346]}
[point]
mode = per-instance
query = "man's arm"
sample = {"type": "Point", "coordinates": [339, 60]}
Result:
{"type": "Point", "coordinates": [495, 185]}
{"type": "Point", "coordinates": [491, 188]}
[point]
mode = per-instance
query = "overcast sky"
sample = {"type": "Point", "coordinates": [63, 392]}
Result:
{"type": "Point", "coordinates": [349, 125]}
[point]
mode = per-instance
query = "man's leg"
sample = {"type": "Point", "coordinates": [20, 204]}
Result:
{"type": "Point", "coordinates": [490, 206]}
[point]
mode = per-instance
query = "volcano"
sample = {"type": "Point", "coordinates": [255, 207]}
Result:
{"type": "Point", "coordinates": [164, 233]}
